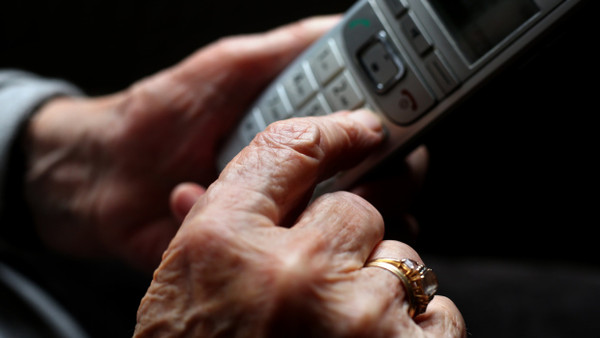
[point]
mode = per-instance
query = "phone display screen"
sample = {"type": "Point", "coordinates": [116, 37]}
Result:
{"type": "Point", "coordinates": [478, 25]}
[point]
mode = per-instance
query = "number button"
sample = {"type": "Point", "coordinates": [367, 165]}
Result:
{"type": "Point", "coordinates": [315, 107]}
{"type": "Point", "coordinates": [274, 107]}
{"type": "Point", "coordinates": [342, 93]}
{"type": "Point", "coordinates": [299, 86]}
{"type": "Point", "coordinates": [326, 63]}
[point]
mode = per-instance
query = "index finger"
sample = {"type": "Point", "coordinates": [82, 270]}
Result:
{"type": "Point", "coordinates": [282, 165]}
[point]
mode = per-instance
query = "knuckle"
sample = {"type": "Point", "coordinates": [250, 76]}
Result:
{"type": "Point", "coordinates": [292, 138]}
{"type": "Point", "coordinates": [298, 30]}
{"type": "Point", "coordinates": [207, 236]}
{"type": "Point", "coordinates": [301, 266]}
{"type": "Point", "coordinates": [226, 45]}
{"type": "Point", "coordinates": [232, 51]}
{"type": "Point", "coordinates": [358, 225]}
{"type": "Point", "coordinates": [351, 205]}
{"type": "Point", "coordinates": [301, 270]}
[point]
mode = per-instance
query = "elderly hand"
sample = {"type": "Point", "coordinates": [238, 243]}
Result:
{"type": "Point", "coordinates": [101, 170]}
{"type": "Point", "coordinates": [234, 270]}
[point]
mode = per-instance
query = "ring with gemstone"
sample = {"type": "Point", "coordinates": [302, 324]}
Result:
{"type": "Point", "coordinates": [419, 281]}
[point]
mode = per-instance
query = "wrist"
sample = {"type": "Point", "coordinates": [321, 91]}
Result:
{"type": "Point", "coordinates": [60, 143]}
{"type": "Point", "coordinates": [21, 93]}
{"type": "Point", "coordinates": [61, 121]}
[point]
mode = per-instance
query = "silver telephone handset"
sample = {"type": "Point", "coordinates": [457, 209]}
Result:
{"type": "Point", "coordinates": [411, 61]}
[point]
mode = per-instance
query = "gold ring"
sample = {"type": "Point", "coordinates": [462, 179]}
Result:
{"type": "Point", "coordinates": [419, 281]}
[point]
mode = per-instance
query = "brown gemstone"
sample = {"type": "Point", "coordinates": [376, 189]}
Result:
{"type": "Point", "coordinates": [430, 283]}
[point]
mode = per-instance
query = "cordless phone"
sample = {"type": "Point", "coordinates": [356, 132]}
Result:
{"type": "Point", "coordinates": [410, 61]}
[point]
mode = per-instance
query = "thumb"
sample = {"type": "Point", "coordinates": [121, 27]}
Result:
{"type": "Point", "coordinates": [241, 66]}
{"type": "Point", "coordinates": [253, 58]}
{"type": "Point", "coordinates": [215, 85]}
{"type": "Point", "coordinates": [183, 198]}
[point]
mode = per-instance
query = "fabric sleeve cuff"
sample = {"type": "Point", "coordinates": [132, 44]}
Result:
{"type": "Point", "coordinates": [21, 93]}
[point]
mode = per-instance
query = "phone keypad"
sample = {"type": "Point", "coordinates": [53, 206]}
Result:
{"type": "Point", "coordinates": [326, 80]}
{"type": "Point", "coordinates": [317, 86]}
{"type": "Point", "coordinates": [322, 83]}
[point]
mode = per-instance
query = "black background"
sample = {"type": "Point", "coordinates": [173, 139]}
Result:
{"type": "Point", "coordinates": [512, 172]}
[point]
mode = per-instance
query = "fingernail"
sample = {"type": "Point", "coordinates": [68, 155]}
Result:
{"type": "Point", "coordinates": [368, 118]}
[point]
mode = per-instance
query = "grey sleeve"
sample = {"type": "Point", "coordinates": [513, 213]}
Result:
{"type": "Point", "coordinates": [21, 93]}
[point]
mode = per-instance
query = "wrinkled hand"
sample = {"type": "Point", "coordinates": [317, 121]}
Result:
{"type": "Point", "coordinates": [101, 170]}
{"type": "Point", "coordinates": [233, 270]}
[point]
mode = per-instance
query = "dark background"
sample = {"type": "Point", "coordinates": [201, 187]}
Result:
{"type": "Point", "coordinates": [512, 174]}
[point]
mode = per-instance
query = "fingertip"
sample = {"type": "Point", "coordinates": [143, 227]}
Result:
{"type": "Point", "coordinates": [419, 158]}
{"type": "Point", "coordinates": [418, 162]}
{"type": "Point", "coordinates": [368, 119]}
{"type": "Point", "coordinates": [183, 198]}
{"type": "Point", "coordinates": [321, 23]}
